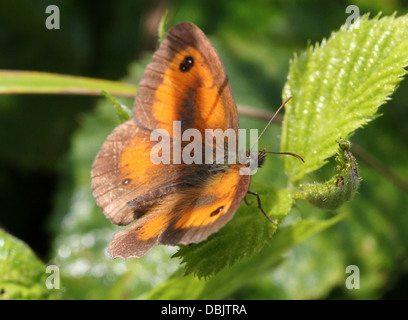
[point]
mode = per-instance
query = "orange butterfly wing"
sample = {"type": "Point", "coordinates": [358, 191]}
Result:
{"type": "Point", "coordinates": [186, 217]}
{"type": "Point", "coordinates": [199, 96]}
{"type": "Point", "coordinates": [125, 183]}
{"type": "Point", "coordinates": [171, 203]}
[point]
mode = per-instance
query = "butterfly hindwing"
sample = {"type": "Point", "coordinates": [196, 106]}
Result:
{"type": "Point", "coordinates": [189, 216]}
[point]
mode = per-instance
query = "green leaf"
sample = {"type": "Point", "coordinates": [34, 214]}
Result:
{"type": "Point", "coordinates": [339, 189]}
{"type": "Point", "coordinates": [243, 236]}
{"type": "Point", "coordinates": [337, 87]}
{"type": "Point", "coordinates": [162, 26]}
{"type": "Point", "coordinates": [23, 275]}
{"type": "Point", "coordinates": [244, 272]}
{"type": "Point", "coordinates": [123, 112]}
{"type": "Point", "coordinates": [28, 82]}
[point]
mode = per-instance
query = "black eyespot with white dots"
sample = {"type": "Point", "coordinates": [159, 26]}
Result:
{"type": "Point", "coordinates": [126, 181]}
{"type": "Point", "coordinates": [186, 64]}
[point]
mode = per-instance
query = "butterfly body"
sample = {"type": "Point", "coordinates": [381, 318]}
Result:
{"type": "Point", "coordinates": [171, 203]}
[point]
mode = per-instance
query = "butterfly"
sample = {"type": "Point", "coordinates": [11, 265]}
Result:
{"type": "Point", "coordinates": [171, 203]}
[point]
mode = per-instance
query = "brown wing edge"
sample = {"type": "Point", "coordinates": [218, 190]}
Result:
{"type": "Point", "coordinates": [125, 243]}
{"type": "Point", "coordinates": [179, 37]}
{"type": "Point", "coordinates": [106, 185]}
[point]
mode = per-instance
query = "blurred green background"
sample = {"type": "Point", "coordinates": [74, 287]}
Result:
{"type": "Point", "coordinates": [47, 143]}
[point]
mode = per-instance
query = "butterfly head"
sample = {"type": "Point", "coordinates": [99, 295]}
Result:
{"type": "Point", "coordinates": [253, 158]}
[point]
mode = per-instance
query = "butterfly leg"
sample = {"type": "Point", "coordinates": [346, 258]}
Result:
{"type": "Point", "coordinates": [260, 207]}
{"type": "Point", "coordinates": [248, 203]}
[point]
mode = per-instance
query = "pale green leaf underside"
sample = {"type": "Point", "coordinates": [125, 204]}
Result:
{"type": "Point", "coordinates": [340, 188]}
{"type": "Point", "coordinates": [338, 86]}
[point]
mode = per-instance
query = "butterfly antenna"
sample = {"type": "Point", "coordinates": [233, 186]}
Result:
{"type": "Point", "coordinates": [288, 153]}
{"type": "Point", "coordinates": [270, 121]}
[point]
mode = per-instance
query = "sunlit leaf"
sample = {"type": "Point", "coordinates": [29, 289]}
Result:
{"type": "Point", "coordinates": [337, 87]}
{"type": "Point", "coordinates": [22, 274]}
